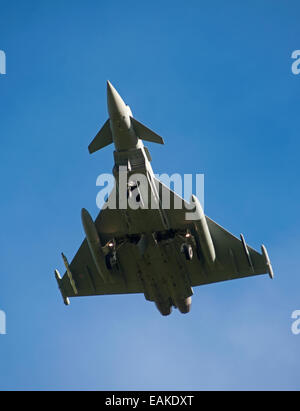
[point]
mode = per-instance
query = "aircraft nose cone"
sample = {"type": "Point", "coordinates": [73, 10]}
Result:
{"type": "Point", "coordinates": [110, 88]}
{"type": "Point", "coordinates": [115, 103]}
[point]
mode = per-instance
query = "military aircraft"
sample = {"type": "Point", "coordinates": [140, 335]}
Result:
{"type": "Point", "coordinates": [160, 251]}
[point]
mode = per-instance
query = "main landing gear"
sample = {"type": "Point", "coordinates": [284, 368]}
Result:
{"type": "Point", "coordinates": [187, 250]}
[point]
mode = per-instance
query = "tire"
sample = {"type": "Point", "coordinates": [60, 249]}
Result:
{"type": "Point", "coordinates": [187, 250]}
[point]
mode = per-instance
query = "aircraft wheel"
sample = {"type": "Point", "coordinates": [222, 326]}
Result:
{"type": "Point", "coordinates": [111, 261]}
{"type": "Point", "coordinates": [187, 251]}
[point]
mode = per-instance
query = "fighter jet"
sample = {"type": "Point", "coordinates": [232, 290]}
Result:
{"type": "Point", "coordinates": [159, 250]}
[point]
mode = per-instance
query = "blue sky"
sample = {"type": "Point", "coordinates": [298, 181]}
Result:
{"type": "Point", "coordinates": [214, 79]}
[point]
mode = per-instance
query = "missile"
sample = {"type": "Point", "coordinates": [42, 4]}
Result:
{"type": "Point", "coordinates": [94, 244]}
{"type": "Point", "coordinates": [268, 262]}
{"type": "Point", "coordinates": [203, 232]}
{"type": "Point", "coordinates": [60, 286]}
